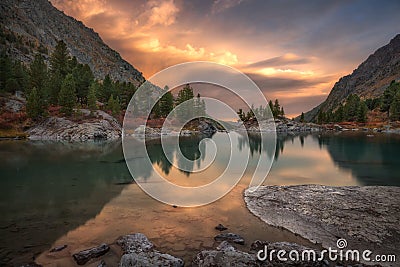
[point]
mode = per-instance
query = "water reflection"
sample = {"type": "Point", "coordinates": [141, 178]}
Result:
{"type": "Point", "coordinates": [372, 159]}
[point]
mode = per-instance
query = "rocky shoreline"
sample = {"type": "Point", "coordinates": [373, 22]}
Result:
{"type": "Point", "coordinates": [101, 126]}
{"type": "Point", "coordinates": [137, 250]}
{"type": "Point", "coordinates": [365, 216]}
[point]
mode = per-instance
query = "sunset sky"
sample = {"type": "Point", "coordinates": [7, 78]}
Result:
{"type": "Point", "coordinates": [293, 50]}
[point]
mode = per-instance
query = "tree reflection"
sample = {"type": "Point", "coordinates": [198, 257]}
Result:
{"type": "Point", "coordinates": [190, 148]}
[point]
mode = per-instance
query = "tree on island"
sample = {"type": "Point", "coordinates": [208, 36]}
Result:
{"type": "Point", "coordinates": [185, 103]}
{"type": "Point", "coordinates": [166, 103]}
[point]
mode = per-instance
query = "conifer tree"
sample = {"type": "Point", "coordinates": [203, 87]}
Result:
{"type": "Point", "coordinates": [66, 98]}
{"type": "Point", "coordinates": [302, 117]}
{"type": "Point", "coordinates": [91, 97]}
{"type": "Point", "coordinates": [34, 107]}
{"type": "Point", "coordinates": [5, 70]}
{"type": "Point", "coordinates": [37, 72]}
{"type": "Point", "coordinates": [395, 108]}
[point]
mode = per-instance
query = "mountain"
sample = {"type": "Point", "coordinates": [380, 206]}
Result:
{"type": "Point", "coordinates": [369, 80]}
{"type": "Point", "coordinates": [28, 27]}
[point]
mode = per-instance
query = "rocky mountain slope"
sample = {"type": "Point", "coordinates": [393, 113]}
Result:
{"type": "Point", "coordinates": [28, 27]}
{"type": "Point", "coordinates": [369, 80]}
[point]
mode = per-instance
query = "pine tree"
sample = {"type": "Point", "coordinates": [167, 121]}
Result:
{"type": "Point", "coordinates": [83, 77]}
{"type": "Point", "coordinates": [59, 68]}
{"type": "Point", "coordinates": [67, 98]}
{"type": "Point", "coordinates": [59, 60]}
{"type": "Point", "coordinates": [395, 108]}
{"type": "Point", "coordinates": [302, 117]}
{"type": "Point", "coordinates": [339, 114]}
{"type": "Point", "coordinates": [321, 117]}
{"type": "Point", "coordinates": [106, 89]}
{"type": "Point", "coordinates": [277, 108]}
{"type": "Point", "coordinates": [241, 114]}
{"type": "Point", "coordinates": [91, 97]}
{"type": "Point", "coordinates": [166, 103]}
{"type": "Point", "coordinates": [388, 96]}
{"type": "Point", "coordinates": [20, 74]}
{"type": "Point", "coordinates": [186, 102]}
{"type": "Point", "coordinates": [37, 72]}
{"type": "Point", "coordinates": [362, 112]}
{"type": "Point", "coordinates": [5, 70]}
{"type": "Point", "coordinates": [113, 105]}
{"type": "Point", "coordinates": [34, 108]}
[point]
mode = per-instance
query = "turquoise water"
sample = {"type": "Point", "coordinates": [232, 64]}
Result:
{"type": "Point", "coordinates": [81, 194]}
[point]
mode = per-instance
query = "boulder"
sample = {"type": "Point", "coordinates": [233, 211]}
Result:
{"type": "Point", "coordinates": [224, 255]}
{"type": "Point", "coordinates": [139, 251]}
{"type": "Point", "coordinates": [220, 227]}
{"type": "Point", "coordinates": [230, 237]}
{"type": "Point", "coordinates": [84, 256]}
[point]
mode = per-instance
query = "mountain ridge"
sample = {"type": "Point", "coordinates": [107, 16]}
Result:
{"type": "Point", "coordinates": [368, 80]}
{"type": "Point", "coordinates": [30, 27]}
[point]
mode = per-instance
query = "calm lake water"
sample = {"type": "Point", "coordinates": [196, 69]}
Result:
{"type": "Point", "coordinates": [53, 194]}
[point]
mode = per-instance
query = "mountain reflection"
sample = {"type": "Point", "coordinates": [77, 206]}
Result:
{"type": "Point", "coordinates": [372, 159]}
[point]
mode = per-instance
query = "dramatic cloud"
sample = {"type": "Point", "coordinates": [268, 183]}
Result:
{"type": "Point", "coordinates": [163, 13]}
{"type": "Point", "coordinates": [294, 50]}
{"type": "Point", "coordinates": [285, 60]}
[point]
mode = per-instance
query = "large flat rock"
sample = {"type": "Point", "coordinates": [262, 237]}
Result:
{"type": "Point", "coordinates": [367, 217]}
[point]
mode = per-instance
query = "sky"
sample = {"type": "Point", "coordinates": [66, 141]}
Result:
{"type": "Point", "coordinates": [293, 50]}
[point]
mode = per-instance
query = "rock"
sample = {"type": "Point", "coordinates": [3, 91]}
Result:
{"type": "Point", "coordinates": [59, 248]}
{"type": "Point", "coordinates": [152, 258]}
{"type": "Point", "coordinates": [230, 237]}
{"type": "Point", "coordinates": [84, 256]}
{"type": "Point", "coordinates": [139, 251]}
{"type": "Point", "coordinates": [220, 227]}
{"type": "Point", "coordinates": [102, 264]}
{"type": "Point", "coordinates": [54, 128]}
{"type": "Point", "coordinates": [365, 216]}
{"type": "Point", "coordinates": [135, 243]}
{"type": "Point", "coordinates": [206, 127]}
{"type": "Point", "coordinates": [224, 255]}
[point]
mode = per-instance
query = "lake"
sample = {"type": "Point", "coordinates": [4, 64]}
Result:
{"type": "Point", "coordinates": [81, 194]}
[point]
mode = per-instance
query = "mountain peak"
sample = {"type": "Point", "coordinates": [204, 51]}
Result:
{"type": "Point", "coordinates": [368, 80]}
{"type": "Point", "coordinates": [30, 27]}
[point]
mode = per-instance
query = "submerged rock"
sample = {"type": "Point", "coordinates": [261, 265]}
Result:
{"type": "Point", "coordinates": [139, 251]}
{"type": "Point", "coordinates": [365, 216]}
{"type": "Point", "coordinates": [59, 248]}
{"type": "Point", "coordinates": [84, 256]}
{"type": "Point", "coordinates": [230, 237]}
{"type": "Point", "coordinates": [220, 227]}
